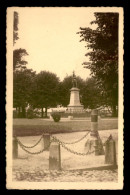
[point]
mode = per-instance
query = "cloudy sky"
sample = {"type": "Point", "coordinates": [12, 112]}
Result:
{"type": "Point", "coordinates": [49, 36]}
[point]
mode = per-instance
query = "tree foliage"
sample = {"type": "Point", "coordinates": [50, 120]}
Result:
{"type": "Point", "coordinates": [18, 59]}
{"type": "Point", "coordinates": [92, 95]}
{"type": "Point", "coordinates": [15, 27]}
{"type": "Point", "coordinates": [22, 77]}
{"type": "Point", "coordinates": [102, 45]}
{"type": "Point", "coordinates": [45, 91]}
{"type": "Point", "coordinates": [18, 54]}
{"type": "Point", "coordinates": [23, 81]}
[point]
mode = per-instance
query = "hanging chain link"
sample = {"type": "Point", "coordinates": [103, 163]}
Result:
{"type": "Point", "coordinates": [53, 139]}
{"type": "Point", "coordinates": [44, 149]}
{"type": "Point", "coordinates": [29, 146]}
{"type": "Point", "coordinates": [70, 150]}
{"type": "Point", "coordinates": [76, 140]}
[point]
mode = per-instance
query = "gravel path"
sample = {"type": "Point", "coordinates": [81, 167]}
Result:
{"type": "Point", "coordinates": [35, 167]}
{"type": "Point", "coordinates": [65, 176]}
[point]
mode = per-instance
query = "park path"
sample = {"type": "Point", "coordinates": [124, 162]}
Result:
{"type": "Point", "coordinates": [35, 167]}
{"type": "Point", "coordinates": [39, 175]}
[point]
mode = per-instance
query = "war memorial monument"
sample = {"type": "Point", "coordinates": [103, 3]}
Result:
{"type": "Point", "coordinates": [74, 105]}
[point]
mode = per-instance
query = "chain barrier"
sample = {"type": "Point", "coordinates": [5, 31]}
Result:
{"type": "Point", "coordinates": [29, 146]}
{"type": "Point", "coordinates": [57, 140]}
{"type": "Point", "coordinates": [76, 140]}
{"type": "Point", "coordinates": [70, 150]}
{"type": "Point", "coordinates": [44, 149]}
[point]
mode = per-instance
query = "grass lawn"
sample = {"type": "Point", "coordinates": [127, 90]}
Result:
{"type": "Point", "coordinates": [32, 127]}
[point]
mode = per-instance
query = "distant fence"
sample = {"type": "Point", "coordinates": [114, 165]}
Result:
{"type": "Point", "coordinates": [63, 114]}
{"type": "Point", "coordinates": [75, 115]}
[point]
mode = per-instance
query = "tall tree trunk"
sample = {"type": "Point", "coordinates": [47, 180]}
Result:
{"type": "Point", "coordinates": [42, 112]}
{"type": "Point", "coordinates": [23, 112]}
{"type": "Point", "coordinates": [45, 111]}
{"type": "Point", "coordinates": [18, 112]}
{"type": "Point", "coordinates": [114, 111]}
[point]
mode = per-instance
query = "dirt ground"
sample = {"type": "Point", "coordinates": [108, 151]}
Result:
{"type": "Point", "coordinates": [36, 167]}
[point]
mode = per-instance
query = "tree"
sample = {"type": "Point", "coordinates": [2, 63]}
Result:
{"type": "Point", "coordinates": [22, 77]}
{"type": "Point", "coordinates": [23, 81]}
{"type": "Point", "coordinates": [102, 44]}
{"type": "Point", "coordinates": [45, 92]}
{"type": "Point", "coordinates": [15, 27]}
{"type": "Point", "coordinates": [18, 61]}
{"type": "Point", "coordinates": [92, 95]}
{"type": "Point", "coordinates": [18, 54]}
{"type": "Point", "coordinates": [64, 89]}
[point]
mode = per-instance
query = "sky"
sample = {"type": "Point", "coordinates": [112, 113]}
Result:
{"type": "Point", "coordinates": [49, 36]}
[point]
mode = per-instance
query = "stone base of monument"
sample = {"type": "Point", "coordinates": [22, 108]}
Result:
{"type": "Point", "coordinates": [75, 109]}
{"type": "Point", "coordinates": [94, 143]}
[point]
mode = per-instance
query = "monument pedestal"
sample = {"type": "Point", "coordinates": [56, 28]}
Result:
{"type": "Point", "coordinates": [74, 105]}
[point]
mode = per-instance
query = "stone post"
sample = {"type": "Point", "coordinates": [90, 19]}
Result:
{"type": "Point", "coordinates": [46, 141]}
{"type": "Point", "coordinates": [94, 123]}
{"type": "Point", "coordinates": [94, 142]}
{"type": "Point", "coordinates": [110, 151]}
{"type": "Point", "coordinates": [55, 156]}
{"type": "Point", "coordinates": [15, 148]}
{"type": "Point", "coordinates": [51, 117]}
{"type": "Point", "coordinates": [70, 117]}
{"type": "Point", "coordinates": [94, 130]}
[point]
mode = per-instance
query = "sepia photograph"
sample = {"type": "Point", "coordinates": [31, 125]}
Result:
{"type": "Point", "coordinates": [64, 98]}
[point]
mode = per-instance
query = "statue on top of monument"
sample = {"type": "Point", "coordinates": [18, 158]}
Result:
{"type": "Point", "coordinates": [74, 81]}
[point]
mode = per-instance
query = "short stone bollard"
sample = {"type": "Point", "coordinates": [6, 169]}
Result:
{"type": "Point", "coordinates": [15, 148]}
{"type": "Point", "coordinates": [55, 156]}
{"type": "Point", "coordinates": [94, 122]}
{"type": "Point", "coordinates": [70, 117]}
{"type": "Point", "coordinates": [51, 117]}
{"type": "Point", "coordinates": [110, 151]}
{"type": "Point", "coordinates": [46, 140]}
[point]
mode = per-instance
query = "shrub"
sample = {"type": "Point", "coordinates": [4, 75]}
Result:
{"type": "Point", "coordinates": [56, 116]}
{"type": "Point", "coordinates": [30, 113]}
